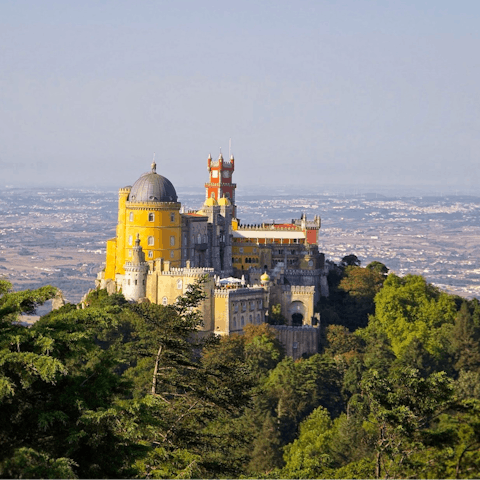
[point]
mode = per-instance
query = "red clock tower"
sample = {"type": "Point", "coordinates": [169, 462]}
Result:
{"type": "Point", "coordinates": [220, 184]}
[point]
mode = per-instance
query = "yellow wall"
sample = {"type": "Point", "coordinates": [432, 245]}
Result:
{"type": "Point", "coordinates": [162, 229]}
{"type": "Point", "coordinates": [222, 322]}
{"type": "Point", "coordinates": [251, 251]}
{"type": "Point", "coordinates": [160, 286]}
{"type": "Point", "coordinates": [110, 260]}
{"type": "Point", "coordinates": [120, 243]}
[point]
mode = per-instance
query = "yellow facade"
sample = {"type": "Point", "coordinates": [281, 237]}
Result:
{"type": "Point", "coordinates": [245, 255]}
{"type": "Point", "coordinates": [158, 225]}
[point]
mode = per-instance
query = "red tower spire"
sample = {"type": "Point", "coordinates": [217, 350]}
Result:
{"type": "Point", "coordinates": [220, 182]}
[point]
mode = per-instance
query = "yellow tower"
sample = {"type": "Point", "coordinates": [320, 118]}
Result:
{"type": "Point", "coordinates": [150, 210]}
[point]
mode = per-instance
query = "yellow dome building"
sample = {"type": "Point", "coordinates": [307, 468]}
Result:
{"type": "Point", "coordinates": [150, 210]}
{"type": "Point", "coordinates": [224, 202]}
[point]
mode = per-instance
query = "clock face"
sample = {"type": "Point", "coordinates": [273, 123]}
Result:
{"type": "Point", "coordinates": [226, 174]}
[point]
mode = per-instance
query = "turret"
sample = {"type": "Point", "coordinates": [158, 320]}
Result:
{"type": "Point", "coordinates": [220, 180]}
{"type": "Point", "coordinates": [134, 282]}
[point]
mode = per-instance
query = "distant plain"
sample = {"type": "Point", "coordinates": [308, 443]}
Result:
{"type": "Point", "coordinates": [57, 236]}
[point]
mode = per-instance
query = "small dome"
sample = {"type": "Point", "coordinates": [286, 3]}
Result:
{"type": "Point", "coordinates": [151, 187]}
{"type": "Point", "coordinates": [210, 202]}
{"type": "Point", "coordinates": [265, 278]}
{"type": "Point", "coordinates": [223, 202]}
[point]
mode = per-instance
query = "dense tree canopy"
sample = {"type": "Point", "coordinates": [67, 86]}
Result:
{"type": "Point", "coordinates": [124, 390]}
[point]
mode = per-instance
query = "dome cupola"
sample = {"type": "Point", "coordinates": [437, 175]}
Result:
{"type": "Point", "coordinates": [152, 187]}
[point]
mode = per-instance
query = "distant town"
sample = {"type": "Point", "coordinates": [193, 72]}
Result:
{"type": "Point", "coordinates": [58, 236]}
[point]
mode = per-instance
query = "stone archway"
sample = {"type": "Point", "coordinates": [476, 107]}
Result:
{"type": "Point", "coordinates": [296, 313]}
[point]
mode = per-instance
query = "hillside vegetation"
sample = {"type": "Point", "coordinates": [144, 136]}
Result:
{"type": "Point", "coordinates": [120, 390]}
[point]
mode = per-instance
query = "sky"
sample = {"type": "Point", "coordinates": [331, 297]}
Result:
{"type": "Point", "coordinates": [311, 93]}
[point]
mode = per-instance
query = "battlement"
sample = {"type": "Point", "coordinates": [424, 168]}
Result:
{"type": "Point", "coordinates": [220, 184]}
{"type": "Point", "coordinates": [316, 272]}
{"type": "Point", "coordinates": [303, 223]}
{"type": "Point", "coordinates": [289, 328]}
{"type": "Point", "coordinates": [268, 227]}
{"type": "Point", "coordinates": [153, 205]}
{"type": "Point", "coordinates": [228, 291]}
{"type": "Point", "coordinates": [299, 289]}
{"type": "Point", "coordinates": [225, 163]}
{"type": "Point", "coordinates": [189, 272]}
{"type": "Point", "coordinates": [136, 267]}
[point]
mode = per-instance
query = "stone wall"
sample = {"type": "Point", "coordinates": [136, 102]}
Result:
{"type": "Point", "coordinates": [298, 340]}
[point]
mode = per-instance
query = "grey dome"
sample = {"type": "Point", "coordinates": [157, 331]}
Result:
{"type": "Point", "coordinates": [151, 187]}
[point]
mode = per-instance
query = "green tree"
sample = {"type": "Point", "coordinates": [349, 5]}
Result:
{"type": "Point", "coordinates": [340, 341]}
{"type": "Point", "coordinates": [191, 395]}
{"type": "Point", "coordinates": [378, 267]}
{"type": "Point", "coordinates": [408, 308]}
{"type": "Point", "coordinates": [402, 406]}
{"type": "Point", "coordinates": [362, 283]}
{"type": "Point", "coordinates": [275, 316]}
{"type": "Point", "coordinates": [310, 456]}
{"type": "Point", "coordinates": [58, 387]}
{"type": "Point", "coordinates": [465, 344]}
{"type": "Point", "coordinates": [295, 388]}
{"type": "Point", "coordinates": [350, 261]}
{"type": "Point", "coordinates": [267, 448]}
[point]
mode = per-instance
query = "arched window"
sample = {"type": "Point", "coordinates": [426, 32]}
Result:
{"type": "Point", "coordinates": [258, 318]}
{"type": "Point", "coordinates": [172, 217]}
{"type": "Point", "coordinates": [131, 216]}
{"type": "Point", "coordinates": [172, 240]}
{"type": "Point", "coordinates": [227, 195]}
{"type": "Point", "coordinates": [250, 319]}
{"type": "Point", "coordinates": [164, 301]}
{"type": "Point", "coordinates": [179, 284]}
{"type": "Point", "coordinates": [150, 254]}
{"type": "Point", "coordinates": [199, 238]}
{"type": "Point", "coordinates": [130, 240]}
{"type": "Point", "coordinates": [172, 254]}
{"type": "Point", "coordinates": [204, 239]}
{"type": "Point", "coordinates": [151, 241]}
{"type": "Point", "coordinates": [129, 281]}
{"type": "Point", "coordinates": [234, 322]}
{"type": "Point", "coordinates": [213, 195]}
{"type": "Point", "coordinates": [151, 217]}
{"type": "Point", "coordinates": [242, 321]}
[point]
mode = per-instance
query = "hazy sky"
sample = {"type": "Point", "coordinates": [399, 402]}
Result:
{"type": "Point", "coordinates": [313, 92]}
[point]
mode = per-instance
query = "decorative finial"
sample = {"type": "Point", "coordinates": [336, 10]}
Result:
{"type": "Point", "coordinates": [220, 156]}
{"type": "Point", "coordinates": [209, 156]}
{"type": "Point", "coordinates": [154, 165]}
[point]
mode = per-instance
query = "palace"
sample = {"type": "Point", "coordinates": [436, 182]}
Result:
{"type": "Point", "coordinates": [159, 249]}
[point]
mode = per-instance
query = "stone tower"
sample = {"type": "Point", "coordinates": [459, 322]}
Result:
{"type": "Point", "coordinates": [220, 182]}
{"type": "Point", "coordinates": [134, 282]}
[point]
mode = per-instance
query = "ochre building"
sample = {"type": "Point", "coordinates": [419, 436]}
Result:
{"type": "Point", "coordinates": [159, 250]}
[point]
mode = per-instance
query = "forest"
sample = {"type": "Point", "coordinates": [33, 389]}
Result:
{"type": "Point", "coordinates": [111, 389]}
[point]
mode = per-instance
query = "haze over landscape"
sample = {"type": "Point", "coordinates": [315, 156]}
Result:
{"type": "Point", "coordinates": [57, 236]}
{"type": "Point", "coordinates": [307, 309]}
{"type": "Point", "coordinates": [349, 110]}
{"type": "Point", "coordinates": [321, 94]}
